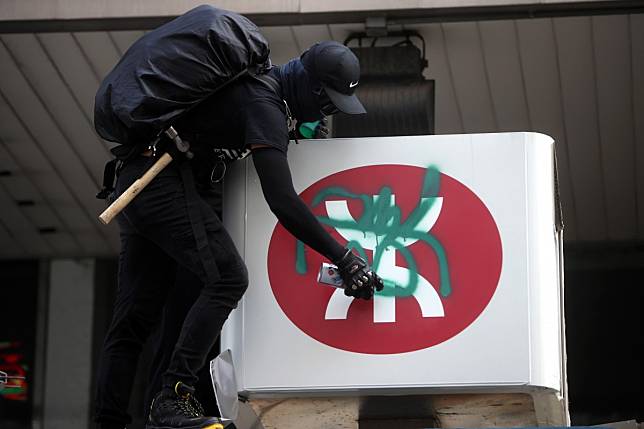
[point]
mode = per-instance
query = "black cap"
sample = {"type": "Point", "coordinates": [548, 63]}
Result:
{"type": "Point", "coordinates": [338, 70]}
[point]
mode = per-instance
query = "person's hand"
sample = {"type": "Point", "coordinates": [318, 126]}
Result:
{"type": "Point", "coordinates": [358, 278]}
{"type": "Point", "coordinates": [322, 130]}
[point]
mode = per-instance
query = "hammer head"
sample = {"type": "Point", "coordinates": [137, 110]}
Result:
{"type": "Point", "coordinates": [182, 146]}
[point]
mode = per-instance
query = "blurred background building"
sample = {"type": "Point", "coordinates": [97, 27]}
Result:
{"type": "Point", "coordinates": [571, 69]}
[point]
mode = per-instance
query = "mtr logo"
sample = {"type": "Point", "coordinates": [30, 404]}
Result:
{"type": "Point", "coordinates": [429, 237]}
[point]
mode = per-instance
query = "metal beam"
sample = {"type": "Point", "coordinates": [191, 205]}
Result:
{"type": "Point", "coordinates": [286, 17]}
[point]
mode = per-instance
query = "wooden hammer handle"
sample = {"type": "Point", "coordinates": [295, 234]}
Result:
{"type": "Point", "coordinates": [126, 197]}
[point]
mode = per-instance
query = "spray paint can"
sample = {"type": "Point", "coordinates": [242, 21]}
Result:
{"type": "Point", "coordinates": [330, 275]}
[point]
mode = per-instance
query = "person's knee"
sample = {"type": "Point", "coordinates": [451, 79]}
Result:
{"type": "Point", "coordinates": [242, 279]}
{"type": "Point", "coordinates": [236, 281]}
{"type": "Point", "coordinates": [231, 283]}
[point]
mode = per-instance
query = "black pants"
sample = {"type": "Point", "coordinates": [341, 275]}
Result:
{"type": "Point", "coordinates": [181, 298]}
{"type": "Point", "coordinates": [166, 226]}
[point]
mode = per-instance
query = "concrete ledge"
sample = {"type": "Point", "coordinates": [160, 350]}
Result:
{"type": "Point", "coordinates": [310, 413]}
{"type": "Point", "coordinates": [445, 411]}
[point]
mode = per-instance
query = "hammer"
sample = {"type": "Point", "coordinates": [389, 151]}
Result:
{"type": "Point", "coordinates": [139, 184]}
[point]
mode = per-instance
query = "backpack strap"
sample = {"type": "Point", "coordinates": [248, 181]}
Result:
{"type": "Point", "coordinates": [274, 85]}
{"type": "Point", "coordinates": [109, 175]}
{"type": "Point", "coordinates": [270, 82]}
{"type": "Point", "coordinates": [122, 153]}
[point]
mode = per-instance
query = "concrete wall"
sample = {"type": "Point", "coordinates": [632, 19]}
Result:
{"type": "Point", "coordinates": [69, 338]}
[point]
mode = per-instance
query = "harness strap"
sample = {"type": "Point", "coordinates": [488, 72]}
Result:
{"type": "Point", "coordinates": [198, 225]}
{"type": "Point", "coordinates": [274, 85]}
{"type": "Point", "coordinates": [122, 154]}
{"type": "Point", "coordinates": [109, 175]}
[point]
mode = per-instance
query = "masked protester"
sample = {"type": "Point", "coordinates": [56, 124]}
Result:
{"type": "Point", "coordinates": [171, 230]}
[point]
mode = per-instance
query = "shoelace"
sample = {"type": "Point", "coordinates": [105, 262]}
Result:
{"type": "Point", "coordinates": [197, 406]}
{"type": "Point", "coordinates": [184, 405]}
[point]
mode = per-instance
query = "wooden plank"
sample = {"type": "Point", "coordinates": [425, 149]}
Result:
{"type": "Point", "coordinates": [501, 55]}
{"type": "Point", "coordinates": [540, 69]}
{"type": "Point", "coordinates": [636, 27]}
{"type": "Point", "coordinates": [611, 41]}
{"type": "Point", "coordinates": [397, 424]}
{"type": "Point", "coordinates": [478, 411]}
{"type": "Point", "coordinates": [447, 118]}
{"type": "Point", "coordinates": [309, 413]}
{"type": "Point", "coordinates": [575, 57]}
{"type": "Point", "coordinates": [402, 412]}
{"type": "Point", "coordinates": [551, 409]}
{"type": "Point", "coordinates": [463, 47]}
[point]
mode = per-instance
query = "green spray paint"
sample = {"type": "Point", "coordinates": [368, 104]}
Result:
{"type": "Point", "coordinates": [384, 220]}
{"type": "Point", "coordinates": [300, 258]}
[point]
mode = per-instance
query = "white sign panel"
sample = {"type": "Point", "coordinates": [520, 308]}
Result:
{"type": "Point", "coordinates": [461, 229]}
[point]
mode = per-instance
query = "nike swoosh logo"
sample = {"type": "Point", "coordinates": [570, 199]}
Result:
{"type": "Point", "coordinates": [352, 84]}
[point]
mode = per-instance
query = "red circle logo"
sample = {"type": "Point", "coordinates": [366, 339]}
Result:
{"type": "Point", "coordinates": [429, 237]}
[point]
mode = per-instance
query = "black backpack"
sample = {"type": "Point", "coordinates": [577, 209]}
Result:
{"type": "Point", "coordinates": [173, 68]}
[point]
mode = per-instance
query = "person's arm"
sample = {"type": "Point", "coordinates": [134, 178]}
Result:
{"type": "Point", "coordinates": [277, 185]}
{"type": "Point", "coordinates": [268, 139]}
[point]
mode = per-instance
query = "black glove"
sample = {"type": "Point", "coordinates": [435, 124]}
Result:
{"type": "Point", "coordinates": [322, 130]}
{"type": "Point", "coordinates": [359, 280]}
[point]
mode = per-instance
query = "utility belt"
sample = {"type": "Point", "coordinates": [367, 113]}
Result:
{"type": "Point", "coordinates": [209, 165]}
{"type": "Point", "coordinates": [220, 157]}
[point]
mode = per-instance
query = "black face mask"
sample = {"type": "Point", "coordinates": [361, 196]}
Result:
{"type": "Point", "coordinates": [326, 105]}
{"type": "Point", "coordinates": [304, 97]}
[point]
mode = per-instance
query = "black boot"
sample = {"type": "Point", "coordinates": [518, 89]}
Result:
{"type": "Point", "coordinates": [179, 409]}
